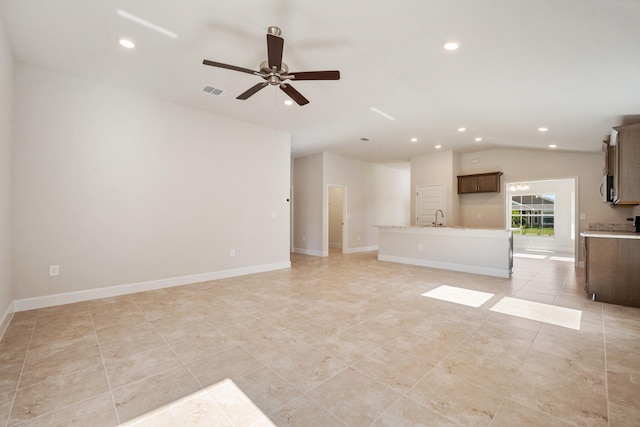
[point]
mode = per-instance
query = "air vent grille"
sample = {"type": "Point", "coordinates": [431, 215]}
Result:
{"type": "Point", "coordinates": [212, 90]}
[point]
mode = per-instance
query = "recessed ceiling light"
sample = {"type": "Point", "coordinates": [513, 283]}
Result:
{"type": "Point", "coordinates": [478, 139]}
{"type": "Point", "coordinates": [451, 45]}
{"type": "Point", "coordinates": [126, 43]}
{"type": "Point", "coordinates": [288, 102]}
{"type": "Point", "coordinates": [438, 147]}
{"type": "Point", "coordinates": [543, 129]}
{"type": "Point", "coordinates": [553, 146]}
{"type": "Point", "coordinates": [461, 129]}
{"type": "Point", "coordinates": [414, 139]}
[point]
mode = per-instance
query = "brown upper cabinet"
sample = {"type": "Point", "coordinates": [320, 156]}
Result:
{"type": "Point", "coordinates": [479, 183]}
{"type": "Point", "coordinates": [623, 162]}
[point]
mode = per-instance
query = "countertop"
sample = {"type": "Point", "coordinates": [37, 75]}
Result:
{"type": "Point", "coordinates": [611, 234]}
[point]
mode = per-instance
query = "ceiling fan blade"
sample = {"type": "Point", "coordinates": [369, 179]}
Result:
{"type": "Point", "coordinates": [316, 75]}
{"type": "Point", "coordinates": [251, 91]}
{"type": "Point", "coordinates": [294, 94]}
{"type": "Point", "coordinates": [228, 67]}
{"type": "Point", "coordinates": [275, 46]}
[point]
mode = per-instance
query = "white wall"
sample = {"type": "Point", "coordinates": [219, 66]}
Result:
{"type": "Point", "coordinates": [374, 195]}
{"type": "Point", "coordinates": [6, 108]}
{"type": "Point", "coordinates": [118, 188]}
{"type": "Point", "coordinates": [308, 205]}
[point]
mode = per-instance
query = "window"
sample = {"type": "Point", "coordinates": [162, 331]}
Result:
{"type": "Point", "coordinates": [533, 214]}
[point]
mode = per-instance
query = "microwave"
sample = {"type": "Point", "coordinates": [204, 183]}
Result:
{"type": "Point", "coordinates": [606, 189]}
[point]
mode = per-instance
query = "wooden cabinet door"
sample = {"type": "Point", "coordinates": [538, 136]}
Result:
{"type": "Point", "coordinates": [629, 165]}
{"type": "Point", "coordinates": [467, 184]}
{"type": "Point", "coordinates": [488, 183]}
{"type": "Point", "coordinates": [614, 270]}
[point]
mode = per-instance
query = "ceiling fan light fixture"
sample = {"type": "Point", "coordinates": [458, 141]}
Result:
{"type": "Point", "coordinates": [126, 43]}
{"type": "Point", "coordinates": [288, 102]}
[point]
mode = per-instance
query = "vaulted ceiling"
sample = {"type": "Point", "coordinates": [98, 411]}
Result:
{"type": "Point", "coordinates": [570, 66]}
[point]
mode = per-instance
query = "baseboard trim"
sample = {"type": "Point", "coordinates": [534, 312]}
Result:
{"type": "Point", "coordinates": [360, 249]}
{"type": "Point", "coordinates": [6, 319]}
{"type": "Point", "coordinates": [447, 266]}
{"type": "Point", "coordinates": [309, 252]}
{"type": "Point", "coordinates": [132, 288]}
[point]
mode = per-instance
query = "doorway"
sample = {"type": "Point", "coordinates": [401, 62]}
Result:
{"type": "Point", "coordinates": [336, 214]}
{"type": "Point", "coordinates": [542, 215]}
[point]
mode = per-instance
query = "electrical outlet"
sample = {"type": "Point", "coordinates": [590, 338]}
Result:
{"type": "Point", "coordinates": [420, 246]}
{"type": "Point", "coordinates": [232, 252]}
{"type": "Point", "coordinates": [54, 270]}
{"type": "Point", "coordinates": [358, 237]}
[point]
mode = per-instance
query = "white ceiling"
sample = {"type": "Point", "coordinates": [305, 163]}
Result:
{"type": "Point", "coordinates": [572, 66]}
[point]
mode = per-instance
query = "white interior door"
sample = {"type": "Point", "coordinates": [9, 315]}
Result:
{"type": "Point", "coordinates": [429, 198]}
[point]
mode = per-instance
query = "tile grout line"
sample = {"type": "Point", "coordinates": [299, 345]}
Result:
{"type": "Point", "coordinates": [506, 393]}
{"type": "Point", "coordinates": [104, 366]}
{"type": "Point", "coordinates": [24, 363]}
{"type": "Point", "coordinates": [606, 369]}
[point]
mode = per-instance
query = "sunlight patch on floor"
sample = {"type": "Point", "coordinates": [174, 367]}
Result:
{"type": "Point", "coordinates": [459, 295]}
{"type": "Point", "coordinates": [223, 403]}
{"type": "Point", "coordinates": [562, 258]}
{"type": "Point", "coordinates": [551, 314]}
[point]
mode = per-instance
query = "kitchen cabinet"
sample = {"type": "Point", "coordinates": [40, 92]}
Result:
{"type": "Point", "coordinates": [479, 183]}
{"type": "Point", "coordinates": [624, 164]}
{"type": "Point", "coordinates": [613, 268]}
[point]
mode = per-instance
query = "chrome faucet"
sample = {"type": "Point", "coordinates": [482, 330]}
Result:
{"type": "Point", "coordinates": [441, 213]}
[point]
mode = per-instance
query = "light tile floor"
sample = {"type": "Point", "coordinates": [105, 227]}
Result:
{"type": "Point", "coordinates": [343, 340]}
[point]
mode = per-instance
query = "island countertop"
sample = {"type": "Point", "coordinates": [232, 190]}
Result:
{"type": "Point", "coordinates": [611, 234]}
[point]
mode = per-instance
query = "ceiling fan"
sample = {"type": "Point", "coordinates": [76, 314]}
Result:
{"type": "Point", "coordinates": [275, 72]}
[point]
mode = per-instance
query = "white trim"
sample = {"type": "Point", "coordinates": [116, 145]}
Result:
{"type": "Point", "coordinates": [132, 288]}
{"type": "Point", "coordinates": [311, 252]}
{"type": "Point", "coordinates": [496, 272]}
{"type": "Point", "coordinates": [361, 249]}
{"type": "Point", "coordinates": [6, 319]}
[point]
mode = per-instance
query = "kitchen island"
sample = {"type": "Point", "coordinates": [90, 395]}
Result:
{"type": "Point", "coordinates": [485, 251]}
